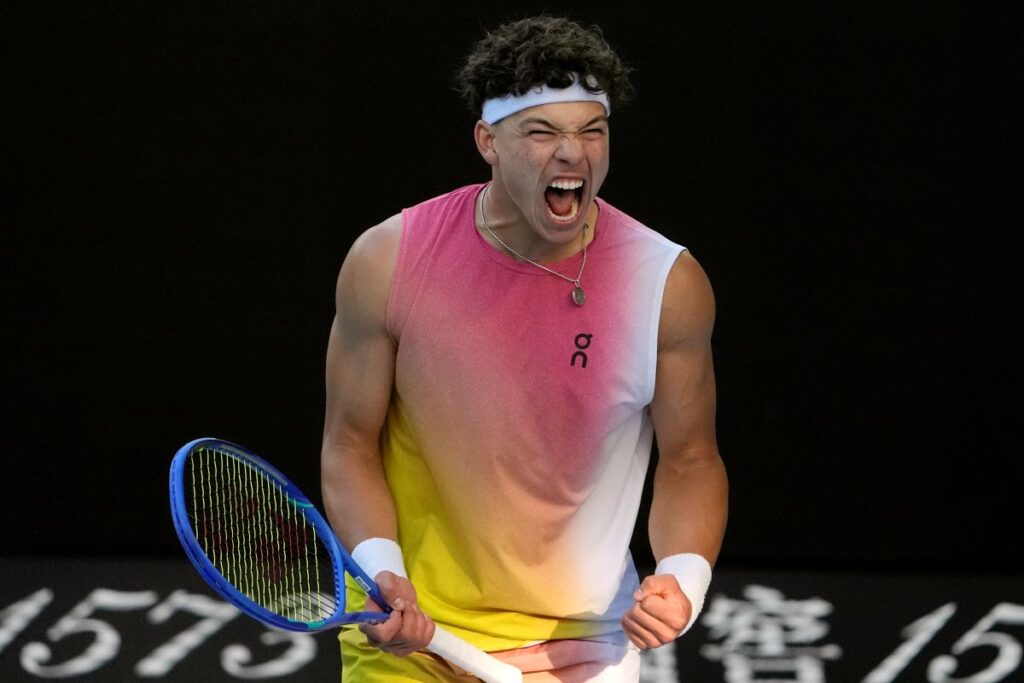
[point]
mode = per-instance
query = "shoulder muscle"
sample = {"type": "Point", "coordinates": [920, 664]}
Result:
{"type": "Point", "coordinates": [365, 278]}
{"type": "Point", "coordinates": [688, 306]}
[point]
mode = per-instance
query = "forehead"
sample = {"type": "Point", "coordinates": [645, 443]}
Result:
{"type": "Point", "coordinates": [561, 115]}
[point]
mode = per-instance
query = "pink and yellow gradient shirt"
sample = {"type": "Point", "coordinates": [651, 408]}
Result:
{"type": "Point", "coordinates": [518, 436]}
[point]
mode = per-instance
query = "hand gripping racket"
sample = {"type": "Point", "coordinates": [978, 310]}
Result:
{"type": "Point", "coordinates": [260, 543]}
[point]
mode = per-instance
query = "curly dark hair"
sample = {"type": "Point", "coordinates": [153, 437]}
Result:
{"type": "Point", "coordinates": [541, 50]}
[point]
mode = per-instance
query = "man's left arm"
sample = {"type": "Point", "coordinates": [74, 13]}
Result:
{"type": "Point", "coordinates": [690, 502]}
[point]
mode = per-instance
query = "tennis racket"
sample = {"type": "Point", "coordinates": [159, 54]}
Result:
{"type": "Point", "coordinates": [259, 542]}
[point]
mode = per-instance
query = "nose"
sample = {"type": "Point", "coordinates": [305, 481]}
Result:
{"type": "Point", "coordinates": [570, 148]}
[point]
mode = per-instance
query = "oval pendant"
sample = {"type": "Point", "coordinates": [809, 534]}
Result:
{"type": "Point", "coordinates": [578, 295]}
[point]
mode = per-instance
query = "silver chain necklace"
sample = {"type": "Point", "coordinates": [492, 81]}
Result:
{"type": "Point", "coordinates": [578, 295]}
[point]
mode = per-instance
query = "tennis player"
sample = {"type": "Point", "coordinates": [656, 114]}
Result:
{"type": "Point", "coordinates": [501, 359]}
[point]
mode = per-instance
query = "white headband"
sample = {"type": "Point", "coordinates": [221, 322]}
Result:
{"type": "Point", "coordinates": [497, 108]}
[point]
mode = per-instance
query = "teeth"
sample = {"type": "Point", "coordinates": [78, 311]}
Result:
{"type": "Point", "coordinates": [565, 184]}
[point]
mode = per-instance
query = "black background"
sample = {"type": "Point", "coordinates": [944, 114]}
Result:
{"type": "Point", "coordinates": [182, 182]}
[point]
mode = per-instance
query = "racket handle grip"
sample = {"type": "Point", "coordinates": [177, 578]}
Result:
{"type": "Point", "coordinates": [472, 659]}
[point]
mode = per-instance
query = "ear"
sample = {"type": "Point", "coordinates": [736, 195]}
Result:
{"type": "Point", "coordinates": [484, 136]}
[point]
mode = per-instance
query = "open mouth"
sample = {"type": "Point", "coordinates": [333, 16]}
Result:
{"type": "Point", "coordinates": [563, 197]}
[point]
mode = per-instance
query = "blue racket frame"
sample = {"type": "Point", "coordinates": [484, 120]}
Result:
{"type": "Point", "coordinates": [339, 556]}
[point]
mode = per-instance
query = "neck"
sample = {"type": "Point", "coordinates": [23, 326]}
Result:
{"type": "Point", "coordinates": [493, 215]}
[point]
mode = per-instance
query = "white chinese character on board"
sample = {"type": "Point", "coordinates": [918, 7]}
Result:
{"type": "Point", "coordinates": [767, 638]}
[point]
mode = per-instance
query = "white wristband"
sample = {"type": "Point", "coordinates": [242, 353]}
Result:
{"type": "Point", "coordinates": [693, 573]}
{"type": "Point", "coordinates": [375, 555]}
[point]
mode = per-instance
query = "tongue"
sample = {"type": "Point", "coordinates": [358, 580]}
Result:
{"type": "Point", "coordinates": [560, 203]}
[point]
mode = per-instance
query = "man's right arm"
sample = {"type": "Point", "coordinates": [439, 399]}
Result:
{"type": "Point", "coordinates": [360, 373]}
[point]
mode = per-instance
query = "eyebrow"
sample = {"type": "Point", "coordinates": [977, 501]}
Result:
{"type": "Point", "coordinates": [544, 122]}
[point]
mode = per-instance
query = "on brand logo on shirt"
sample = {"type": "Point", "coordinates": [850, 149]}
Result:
{"type": "Point", "coordinates": [582, 342]}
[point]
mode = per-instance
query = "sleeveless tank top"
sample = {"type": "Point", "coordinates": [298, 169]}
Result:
{"type": "Point", "coordinates": [518, 436]}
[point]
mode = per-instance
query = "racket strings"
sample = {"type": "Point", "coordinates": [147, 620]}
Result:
{"type": "Point", "coordinates": [258, 537]}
